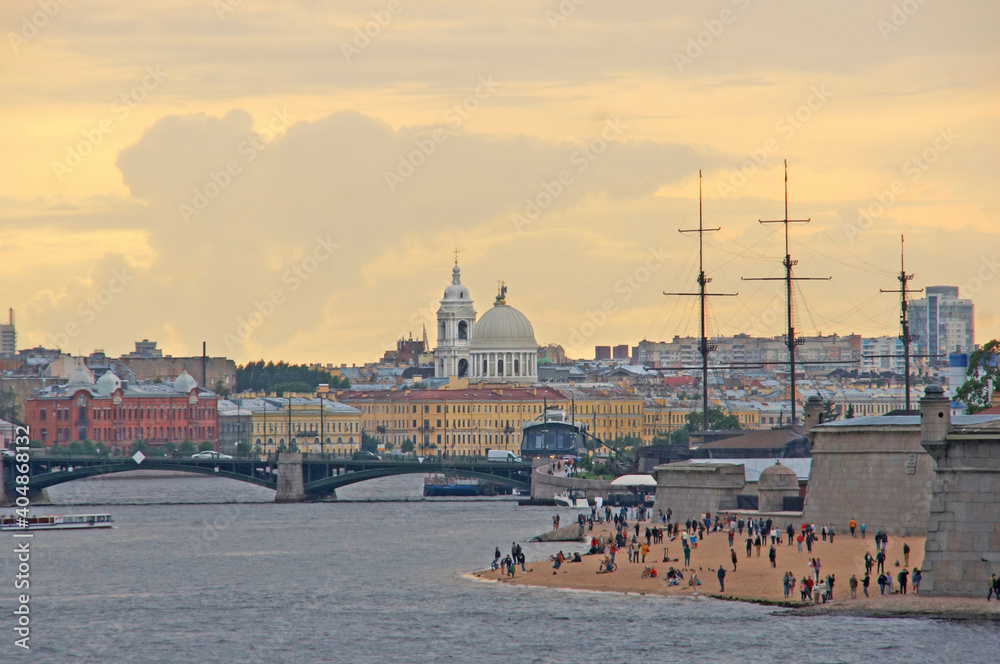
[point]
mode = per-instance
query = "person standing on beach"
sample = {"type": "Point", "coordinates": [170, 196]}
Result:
{"type": "Point", "coordinates": [749, 544]}
{"type": "Point", "coordinates": [880, 561]}
{"type": "Point", "coordinates": [756, 543]}
{"type": "Point", "coordinates": [881, 584]}
{"type": "Point", "coordinates": [862, 531]}
{"type": "Point", "coordinates": [906, 554]}
{"type": "Point", "coordinates": [865, 582]}
{"type": "Point", "coordinates": [852, 524]}
{"type": "Point", "coordinates": [993, 588]}
{"type": "Point", "coordinates": [772, 555]}
{"type": "Point", "coordinates": [687, 553]}
{"type": "Point", "coordinates": [799, 539]}
{"type": "Point", "coordinates": [722, 579]}
{"type": "Point", "coordinates": [852, 583]}
{"type": "Point", "coordinates": [903, 577]}
{"type": "Point", "coordinates": [915, 579]}
{"type": "Point", "coordinates": [791, 533]}
{"type": "Point", "coordinates": [831, 531]}
{"type": "Point", "coordinates": [732, 554]}
{"type": "Point", "coordinates": [869, 562]}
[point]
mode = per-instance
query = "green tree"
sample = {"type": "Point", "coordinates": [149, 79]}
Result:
{"type": "Point", "coordinates": [101, 449]}
{"type": "Point", "coordinates": [369, 443]}
{"type": "Point", "coordinates": [293, 446]}
{"type": "Point", "coordinates": [849, 415]}
{"type": "Point", "coordinates": [221, 389]}
{"type": "Point", "coordinates": [169, 448]}
{"type": "Point", "coordinates": [58, 450]}
{"type": "Point", "coordinates": [390, 446]}
{"type": "Point", "coordinates": [187, 448]}
{"type": "Point", "coordinates": [420, 385]}
{"type": "Point", "coordinates": [259, 376]}
{"type": "Point", "coordinates": [295, 386]}
{"type": "Point", "coordinates": [9, 407]}
{"type": "Point", "coordinates": [138, 446]}
{"type": "Point", "coordinates": [977, 391]}
{"type": "Point", "coordinates": [407, 446]}
{"type": "Point", "coordinates": [205, 446]}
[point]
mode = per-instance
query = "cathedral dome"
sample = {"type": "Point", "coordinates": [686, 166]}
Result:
{"type": "Point", "coordinates": [503, 328]}
{"type": "Point", "coordinates": [185, 383]}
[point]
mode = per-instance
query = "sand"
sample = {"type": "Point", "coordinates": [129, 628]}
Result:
{"type": "Point", "coordinates": [754, 579]}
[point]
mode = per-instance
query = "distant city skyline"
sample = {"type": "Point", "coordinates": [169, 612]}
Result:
{"type": "Point", "coordinates": [292, 184]}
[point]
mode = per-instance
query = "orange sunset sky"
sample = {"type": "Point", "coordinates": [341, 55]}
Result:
{"type": "Point", "coordinates": [289, 180]}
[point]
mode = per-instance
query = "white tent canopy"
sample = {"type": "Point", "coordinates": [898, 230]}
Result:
{"type": "Point", "coordinates": [634, 480]}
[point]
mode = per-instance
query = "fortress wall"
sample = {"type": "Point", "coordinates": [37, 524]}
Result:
{"type": "Point", "coordinates": [877, 475]}
{"type": "Point", "coordinates": [963, 534]}
{"type": "Point", "coordinates": [690, 489]}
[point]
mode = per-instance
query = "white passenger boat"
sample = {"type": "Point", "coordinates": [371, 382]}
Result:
{"type": "Point", "coordinates": [56, 522]}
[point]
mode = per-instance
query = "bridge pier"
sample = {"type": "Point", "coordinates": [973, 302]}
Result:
{"type": "Point", "coordinates": [290, 485]}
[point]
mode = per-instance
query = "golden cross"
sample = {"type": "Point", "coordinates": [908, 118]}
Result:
{"type": "Point", "coordinates": [456, 255]}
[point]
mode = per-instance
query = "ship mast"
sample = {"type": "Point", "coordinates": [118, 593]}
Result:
{"type": "Point", "coordinates": [704, 347]}
{"type": "Point", "coordinates": [904, 334]}
{"type": "Point", "coordinates": [792, 342]}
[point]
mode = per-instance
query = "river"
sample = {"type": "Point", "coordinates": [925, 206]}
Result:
{"type": "Point", "coordinates": [204, 570]}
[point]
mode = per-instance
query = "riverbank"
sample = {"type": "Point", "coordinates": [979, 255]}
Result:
{"type": "Point", "coordinates": [754, 579]}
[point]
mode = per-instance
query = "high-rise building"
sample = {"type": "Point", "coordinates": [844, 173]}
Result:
{"type": "Point", "coordinates": [8, 338]}
{"type": "Point", "coordinates": [943, 323]}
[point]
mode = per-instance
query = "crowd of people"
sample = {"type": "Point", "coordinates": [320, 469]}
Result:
{"type": "Point", "coordinates": [635, 530]}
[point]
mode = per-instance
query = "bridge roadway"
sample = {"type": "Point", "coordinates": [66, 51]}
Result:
{"type": "Point", "coordinates": [322, 475]}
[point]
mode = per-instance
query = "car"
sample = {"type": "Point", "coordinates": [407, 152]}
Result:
{"type": "Point", "coordinates": [209, 454]}
{"type": "Point", "coordinates": [365, 455]}
{"type": "Point", "coordinates": [10, 454]}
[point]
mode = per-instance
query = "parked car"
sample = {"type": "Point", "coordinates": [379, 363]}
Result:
{"type": "Point", "coordinates": [365, 455]}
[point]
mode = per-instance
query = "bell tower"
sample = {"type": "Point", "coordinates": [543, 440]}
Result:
{"type": "Point", "coordinates": [455, 319]}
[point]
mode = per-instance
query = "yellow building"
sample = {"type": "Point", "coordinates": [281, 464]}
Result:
{"type": "Point", "coordinates": [457, 422]}
{"type": "Point", "coordinates": [316, 425]}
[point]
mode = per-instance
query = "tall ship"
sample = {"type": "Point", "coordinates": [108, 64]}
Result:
{"type": "Point", "coordinates": [554, 435]}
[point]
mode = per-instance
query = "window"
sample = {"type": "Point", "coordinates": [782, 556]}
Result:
{"type": "Point", "coordinates": [42, 415]}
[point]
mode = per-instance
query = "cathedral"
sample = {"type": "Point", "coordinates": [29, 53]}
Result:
{"type": "Point", "coordinates": [499, 347]}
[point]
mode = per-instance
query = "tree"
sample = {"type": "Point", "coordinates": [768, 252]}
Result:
{"type": "Point", "coordinates": [420, 385]}
{"type": "Point", "coordinates": [258, 376]}
{"type": "Point", "coordinates": [295, 386]}
{"type": "Point", "coordinates": [977, 391]}
{"type": "Point", "coordinates": [138, 446]}
{"type": "Point", "coordinates": [9, 406]}
{"type": "Point", "coordinates": [221, 389]}
{"type": "Point", "coordinates": [293, 446]}
{"type": "Point", "coordinates": [369, 443]}
{"type": "Point", "coordinates": [390, 446]}
{"type": "Point", "coordinates": [849, 415]}
{"type": "Point", "coordinates": [407, 446]}
{"type": "Point", "coordinates": [187, 448]}
{"type": "Point", "coordinates": [205, 446]}
{"type": "Point", "coordinates": [829, 411]}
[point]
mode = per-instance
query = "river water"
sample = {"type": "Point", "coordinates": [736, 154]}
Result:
{"type": "Point", "coordinates": [204, 570]}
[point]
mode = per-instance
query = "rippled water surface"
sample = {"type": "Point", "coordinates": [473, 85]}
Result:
{"type": "Point", "coordinates": [192, 575]}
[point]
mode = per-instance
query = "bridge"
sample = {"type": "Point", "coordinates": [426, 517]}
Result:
{"type": "Point", "coordinates": [294, 477]}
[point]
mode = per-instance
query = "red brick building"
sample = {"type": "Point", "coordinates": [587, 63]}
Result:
{"type": "Point", "coordinates": [118, 414]}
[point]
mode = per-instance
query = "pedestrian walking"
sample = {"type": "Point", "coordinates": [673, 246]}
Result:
{"type": "Point", "coordinates": [772, 555]}
{"type": "Point", "coordinates": [852, 583]}
{"type": "Point", "coordinates": [732, 554]}
{"type": "Point", "coordinates": [865, 582]}
{"type": "Point", "coordinates": [722, 579]}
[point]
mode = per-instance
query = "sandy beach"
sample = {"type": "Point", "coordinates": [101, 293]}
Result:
{"type": "Point", "coordinates": [754, 579]}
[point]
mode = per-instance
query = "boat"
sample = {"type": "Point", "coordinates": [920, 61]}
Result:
{"type": "Point", "coordinates": [56, 522]}
{"type": "Point", "coordinates": [569, 498]}
{"type": "Point", "coordinates": [448, 486]}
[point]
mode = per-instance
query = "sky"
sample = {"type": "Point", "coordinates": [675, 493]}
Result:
{"type": "Point", "coordinates": [291, 180]}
